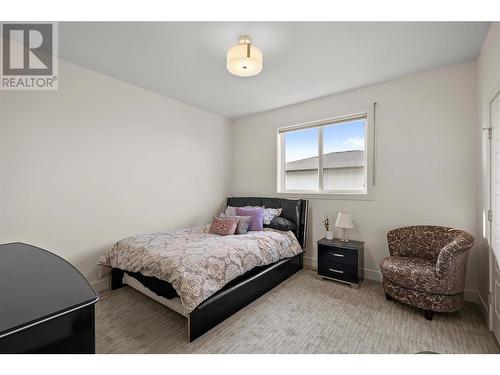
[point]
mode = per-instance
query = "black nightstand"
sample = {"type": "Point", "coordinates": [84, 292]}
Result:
{"type": "Point", "coordinates": [341, 261]}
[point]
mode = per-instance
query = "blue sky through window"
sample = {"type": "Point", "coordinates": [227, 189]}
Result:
{"type": "Point", "coordinates": [342, 137]}
{"type": "Point", "coordinates": [301, 144]}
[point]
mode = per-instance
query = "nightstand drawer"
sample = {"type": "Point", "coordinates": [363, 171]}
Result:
{"type": "Point", "coordinates": [338, 271]}
{"type": "Point", "coordinates": [328, 254]}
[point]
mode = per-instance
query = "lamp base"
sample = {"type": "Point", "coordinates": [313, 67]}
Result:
{"type": "Point", "coordinates": [344, 235]}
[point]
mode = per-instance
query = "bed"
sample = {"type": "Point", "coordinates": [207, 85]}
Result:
{"type": "Point", "coordinates": [198, 265]}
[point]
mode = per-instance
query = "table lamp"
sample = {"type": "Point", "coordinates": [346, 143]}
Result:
{"type": "Point", "coordinates": [344, 221]}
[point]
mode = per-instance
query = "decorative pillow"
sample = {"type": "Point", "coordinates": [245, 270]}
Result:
{"type": "Point", "coordinates": [270, 214]}
{"type": "Point", "coordinates": [223, 226]}
{"type": "Point", "coordinates": [229, 211]}
{"type": "Point", "coordinates": [281, 223]}
{"type": "Point", "coordinates": [243, 223]}
{"type": "Point", "coordinates": [257, 214]}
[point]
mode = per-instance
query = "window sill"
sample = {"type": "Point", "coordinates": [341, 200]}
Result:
{"type": "Point", "coordinates": [369, 196]}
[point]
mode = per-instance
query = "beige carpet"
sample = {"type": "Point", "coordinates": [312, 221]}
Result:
{"type": "Point", "coordinates": [301, 315]}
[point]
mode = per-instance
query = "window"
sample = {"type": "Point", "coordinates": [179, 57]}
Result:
{"type": "Point", "coordinates": [302, 162]}
{"type": "Point", "coordinates": [326, 157]}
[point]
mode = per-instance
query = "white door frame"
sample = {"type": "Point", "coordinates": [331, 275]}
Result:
{"type": "Point", "coordinates": [491, 260]}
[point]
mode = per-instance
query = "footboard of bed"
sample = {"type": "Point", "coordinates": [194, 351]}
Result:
{"type": "Point", "coordinates": [225, 303]}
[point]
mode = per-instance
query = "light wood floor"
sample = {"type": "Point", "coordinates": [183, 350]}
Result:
{"type": "Point", "coordinates": [301, 315]}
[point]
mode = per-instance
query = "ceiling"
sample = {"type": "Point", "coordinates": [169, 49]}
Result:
{"type": "Point", "coordinates": [302, 60]}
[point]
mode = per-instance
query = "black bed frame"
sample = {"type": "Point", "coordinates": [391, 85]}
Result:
{"type": "Point", "coordinates": [233, 298]}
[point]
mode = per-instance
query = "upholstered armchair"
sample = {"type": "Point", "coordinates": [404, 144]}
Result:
{"type": "Point", "coordinates": [426, 268]}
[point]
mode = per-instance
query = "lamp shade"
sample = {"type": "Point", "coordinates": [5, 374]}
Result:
{"type": "Point", "coordinates": [244, 59]}
{"type": "Point", "coordinates": [344, 220]}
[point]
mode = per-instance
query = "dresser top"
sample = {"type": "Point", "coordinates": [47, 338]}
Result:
{"type": "Point", "coordinates": [354, 245]}
{"type": "Point", "coordinates": [36, 285]}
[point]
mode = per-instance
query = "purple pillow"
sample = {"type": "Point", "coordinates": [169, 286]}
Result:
{"type": "Point", "coordinates": [257, 214]}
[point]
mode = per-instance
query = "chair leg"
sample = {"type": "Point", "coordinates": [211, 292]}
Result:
{"type": "Point", "coordinates": [428, 314]}
{"type": "Point", "coordinates": [388, 297]}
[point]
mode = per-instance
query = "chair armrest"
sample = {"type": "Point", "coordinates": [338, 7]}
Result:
{"type": "Point", "coordinates": [452, 259]}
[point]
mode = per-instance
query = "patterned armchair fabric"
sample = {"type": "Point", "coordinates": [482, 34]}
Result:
{"type": "Point", "coordinates": [427, 266]}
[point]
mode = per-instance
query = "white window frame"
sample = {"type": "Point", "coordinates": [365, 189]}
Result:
{"type": "Point", "coordinates": [365, 194]}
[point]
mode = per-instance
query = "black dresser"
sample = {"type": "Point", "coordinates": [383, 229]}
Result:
{"type": "Point", "coordinates": [341, 261]}
{"type": "Point", "coordinates": [46, 305]}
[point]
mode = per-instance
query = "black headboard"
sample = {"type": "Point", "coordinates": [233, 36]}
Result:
{"type": "Point", "coordinates": [295, 210]}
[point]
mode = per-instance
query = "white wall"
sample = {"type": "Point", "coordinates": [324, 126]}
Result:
{"type": "Point", "coordinates": [99, 160]}
{"type": "Point", "coordinates": [426, 162]}
{"type": "Point", "coordinates": [488, 82]}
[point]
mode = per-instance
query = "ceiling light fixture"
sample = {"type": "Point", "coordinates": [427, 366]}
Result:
{"type": "Point", "coordinates": [244, 59]}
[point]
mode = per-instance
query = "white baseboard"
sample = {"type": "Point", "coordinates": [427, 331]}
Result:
{"type": "Point", "coordinates": [101, 285]}
{"type": "Point", "coordinates": [375, 275]}
{"type": "Point", "coordinates": [483, 307]}
{"type": "Point", "coordinates": [310, 263]}
{"type": "Point", "coordinates": [470, 295]}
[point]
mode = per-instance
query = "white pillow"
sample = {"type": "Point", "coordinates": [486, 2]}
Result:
{"type": "Point", "coordinates": [230, 211]}
{"type": "Point", "coordinates": [269, 213]}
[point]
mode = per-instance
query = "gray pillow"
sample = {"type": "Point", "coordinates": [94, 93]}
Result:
{"type": "Point", "coordinates": [243, 223]}
{"type": "Point", "coordinates": [280, 223]}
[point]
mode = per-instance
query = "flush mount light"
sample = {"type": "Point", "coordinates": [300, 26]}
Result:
{"type": "Point", "coordinates": [244, 59]}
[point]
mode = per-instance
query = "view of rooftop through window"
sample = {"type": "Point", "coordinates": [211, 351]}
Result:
{"type": "Point", "coordinates": [343, 166]}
